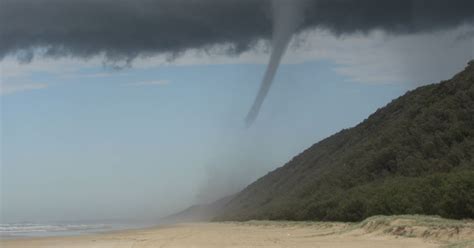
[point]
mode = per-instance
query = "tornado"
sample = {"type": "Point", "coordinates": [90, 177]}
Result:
{"type": "Point", "coordinates": [286, 16]}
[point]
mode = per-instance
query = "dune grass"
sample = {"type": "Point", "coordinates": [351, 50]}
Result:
{"type": "Point", "coordinates": [449, 233]}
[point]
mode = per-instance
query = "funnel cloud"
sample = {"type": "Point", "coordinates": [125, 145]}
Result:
{"type": "Point", "coordinates": [287, 15]}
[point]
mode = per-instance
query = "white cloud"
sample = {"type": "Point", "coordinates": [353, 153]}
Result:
{"type": "Point", "coordinates": [149, 83]}
{"type": "Point", "coordinates": [374, 58]}
{"type": "Point", "coordinates": [11, 68]}
{"type": "Point", "coordinates": [6, 88]}
{"type": "Point", "coordinates": [381, 58]}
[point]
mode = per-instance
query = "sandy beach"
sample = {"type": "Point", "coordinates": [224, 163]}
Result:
{"type": "Point", "coordinates": [261, 234]}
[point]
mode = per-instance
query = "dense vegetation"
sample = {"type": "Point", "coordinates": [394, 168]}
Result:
{"type": "Point", "coordinates": [414, 156]}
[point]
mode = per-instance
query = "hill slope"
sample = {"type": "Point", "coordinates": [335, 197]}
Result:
{"type": "Point", "coordinates": [197, 213]}
{"type": "Point", "coordinates": [414, 156]}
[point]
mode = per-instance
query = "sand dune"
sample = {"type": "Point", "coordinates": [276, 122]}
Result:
{"type": "Point", "coordinates": [375, 232]}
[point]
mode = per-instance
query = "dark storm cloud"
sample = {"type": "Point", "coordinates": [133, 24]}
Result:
{"type": "Point", "coordinates": [394, 16]}
{"type": "Point", "coordinates": [124, 29]}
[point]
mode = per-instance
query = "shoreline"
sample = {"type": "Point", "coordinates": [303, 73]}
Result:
{"type": "Point", "coordinates": [399, 232]}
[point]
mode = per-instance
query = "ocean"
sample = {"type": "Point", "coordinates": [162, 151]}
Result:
{"type": "Point", "coordinates": [25, 229]}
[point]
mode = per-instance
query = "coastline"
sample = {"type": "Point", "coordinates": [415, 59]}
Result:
{"type": "Point", "coordinates": [256, 233]}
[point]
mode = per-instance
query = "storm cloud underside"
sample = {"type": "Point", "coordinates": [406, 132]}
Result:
{"type": "Point", "coordinates": [124, 29]}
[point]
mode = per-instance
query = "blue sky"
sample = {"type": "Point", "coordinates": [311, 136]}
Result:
{"type": "Point", "coordinates": [118, 143]}
{"type": "Point", "coordinates": [82, 141]}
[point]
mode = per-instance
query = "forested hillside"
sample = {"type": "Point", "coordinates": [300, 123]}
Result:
{"type": "Point", "coordinates": [414, 156]}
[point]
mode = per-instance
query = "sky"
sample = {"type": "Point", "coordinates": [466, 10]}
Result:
{"type": "Point", "coordinates": [97, 129]}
